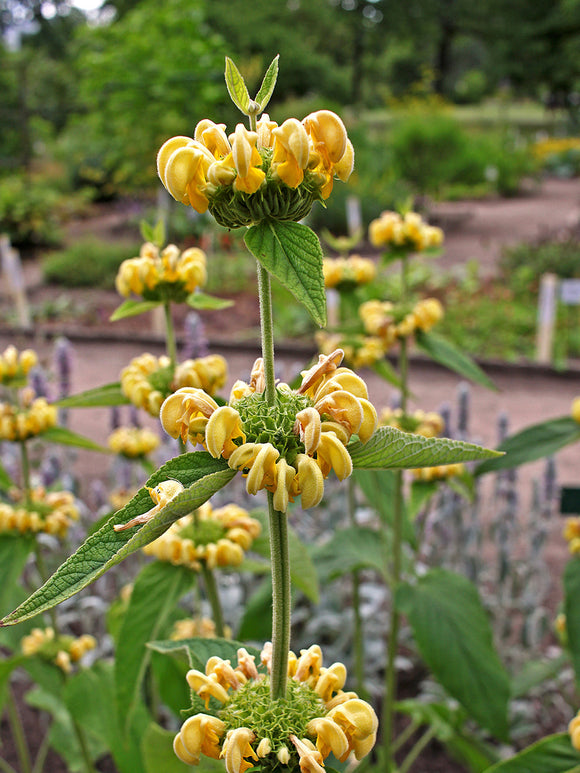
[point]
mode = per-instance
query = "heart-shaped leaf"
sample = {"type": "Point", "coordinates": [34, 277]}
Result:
{"type": "Point", "coordinates": [292, 253]}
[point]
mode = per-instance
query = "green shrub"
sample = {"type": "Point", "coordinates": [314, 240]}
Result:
{"type": "Point", "coordinates": [527, 262]}
{"type": "Point", "coordinates": [31, 211]}
{"type": "Point", "coordinates": [87, 263]}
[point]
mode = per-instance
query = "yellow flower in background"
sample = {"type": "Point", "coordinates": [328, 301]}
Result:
{"type": "Point", "coordinates": [50, 512]}
{"type": "Point", "coordinates": [571, 534]}
{"type": "Point", "coordinates": [15, 365]}
{"type": "Point", "coordinates": [32, 418]}
{"type": "Point", "coordinates": [576, 409]}
{"type": "Point", "coordinates": [133, 442]}
{"type": "Point", "coordinates": [316, 718]}
{"type": "Point", "coordinates": [191, 628]}
{"type": "Point", "coordinates": [168, 274]}
{"type": "Point", "coordinates": [389, 322]}
{"type": "Point", "coordinates": [217, 537]}
{"type": "Point", "coordinates": [148, 380]}
{"type": "Point", "coordinates": [288, 448]}
{"type": "Point", "coordinates": [60, 650]}
{"type": "Point", "coordinates": [409, 232]}
{"type": "Point", "coordinates": [574, 730]}
{"type": "Point", "coordinates": [348, 272]}
{"type": "Point", "coordinates": [427, 424]}
{"type": "Point", "coordinates": [274, 173]}
{"type": "Point", "coordinates": [439, 472]}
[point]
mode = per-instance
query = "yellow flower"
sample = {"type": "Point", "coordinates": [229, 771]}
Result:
{"type": "Point", "coordinates": [333, 721]}
{"type": "Point", "coordinates": [410, 232]}
{"type": "Point", "coordinates": [51, 513]}
{"type": "Point", "coordinates": [182, 165]}
{"type": "Point", "coordinates": [438, 472]}
{"type": "Point", "coordinates": [576, 409]}
{"type": "Point", "coordinates": [247, 160]}
{"type": "Point", "coordinates": [574, 730]}
{"type": "Point", "coordinates": [291, 152]}
{"type": "Point", "coordinates": [133, 442]}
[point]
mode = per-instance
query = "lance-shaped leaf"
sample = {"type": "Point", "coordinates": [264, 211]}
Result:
{"type": "Point", "coordinates": [157, 589]}
{"type": "Point", "coordinates": [454, 637]}
{"type": "Point", "coordinates": [532, 443]}
{"type": "Point", "coordinates": [389, 448]}
{"type": "Point", "coordinates": [236, 87]}
{"type": "Point", "coordinates": [571, 580]}
{"type": "Point", "coordinates": [65, 437]}
{"type": "Point", "coordinates": [98, 397]}
{"type": "Point", "coordinates": [131, 308]}
{"type": "Point", "coordinates": [554, 754]}
{"type": "Point", "coordinates": [198, 471]}
{"type": "Point", "coordinates": [205, 301]}
{"type": "Point", "coordinates": [268, 84]}
{"type": "Point", "coordinates": [292, 253]}
{"type": "Point", "coordinates": [14, 552]}
{"type": "Point", "coordinates": [445, 353]}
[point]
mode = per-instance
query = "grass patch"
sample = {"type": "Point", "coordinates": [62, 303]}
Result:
{"type": "Point", "coordinates": [87, 263]}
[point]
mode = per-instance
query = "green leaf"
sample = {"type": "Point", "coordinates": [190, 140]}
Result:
{"type": "Point", "coordinates": [535, 442]}
{"type": "Point", "coordinates": [291, 252]}
{"type": "Point", "coordinates": [101, 396]}
{"type": "Point", "coordinates": [157, 589]}
{"type": "Point", "coordinates": [63, 738]}
{"type": "Point", "coordinates": [7, 666]}
{"type": "Point", "coordinates": [302, 570]}
{"type": "Point", "coordinates": [385, 370]}
{"type": "Point", "coordinates": [535, 672]}
{"type": "Point", "coordinates": [65, 437]}
{"type": "Point", "coordinates": [198, 471]}
{"type": "Point", "coordinates": [90, 698]}
{"type": "Point", "coordinates": [169, 675]}
{"type": "Point", "coordinates": [421, 492]}
{"type": "Point", "coordinates": [6, 481]}
{"type": "Point", "coordinates": [445, 353]}
{"type": "Point", "coordinates": [268, 84]}
{"type": "Point", "coordinates": [389, 448]}
{"type": "Point", "coordinates": [237, 87]}
{"type": "Point", "coordinates": [349, 550]}
{"type": "Point", "coordinates": [131, 308]}
{"type": "Point", "coordinates": [14, 552]}
{"type": "Point", "coordinates": [379, 488]}
{"type": "Point", "coordinates": [199, 651]}
{"type": "Point", "coordinates": [571, 582]}
{"type": "Point", "coordinates": [554, 754]}
{"type": "Point", "coordinates": [205, 301]}
{"type": "Point", "coordinates": [454, 637]}
{"type": "Point", "coordinates": [158, 755]}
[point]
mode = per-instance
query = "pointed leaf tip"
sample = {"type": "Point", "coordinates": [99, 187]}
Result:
{"type": "Point", "coordinates": [237, 87]}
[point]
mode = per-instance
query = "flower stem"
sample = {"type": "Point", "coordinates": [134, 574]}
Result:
{"type": "Point", "coordinates": [427, 736]}
{"type": "Point", "coordinates": [359, 648]}
{"type": "Point", "coordinates": [79, 732]}
{"type": "Point", "coordinates": [281, 601]}
{"type": "Point", "coordinates": [213, 598]}
{"type": "Point", "coordinates": [279, 554]}
{"type": "Point", "coordinates": [170, 334]}
{"type": "Point", "coordinates": [397, 549]}
{"type": "Point", "coordinates": [25, 465]}
{"type": "Point", "coordinates": [18, 733]}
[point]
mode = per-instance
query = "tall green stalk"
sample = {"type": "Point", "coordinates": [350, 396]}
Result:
{"type": "Point", "coordinates": [170, 343]}
{"type": "Point", "coordinates": [211, 592]}
{"type": "Point", "coordinates": [279, 556]}
{"type": "Point", "coordinates": [359, 646]}
{"type": "Point", "coordinates": [390, 696]}
{"type": "Point", "coordinates": [18, 733]}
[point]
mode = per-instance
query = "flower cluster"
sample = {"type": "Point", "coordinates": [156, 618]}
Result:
{"type": "Point", "coordinates": [348, 272]}
{"type": "Point", "coordinates": [60, 650]}
{"type": "Point", "coordinates": [15, 365]}
{"type": "Point", "coordinates": [440, 472]}
{"type": "Point", "coordinates": [576, 409]}
{"type": "Point", "coordinates": [190, 628]}
{"type": "Point", "coordinates": [571, 534]}
{"type": "Point", "coordinates": [574, 730]}
{"type": "Point", "coordinates": [314, 719]}
{"type": "Point", "coordinates": [409, 232]}
{"type": "Point", "coordinates": [360, 351]}
{"type": "Point", "coordinates": [133, 442]}
{"type": "Point", "coordinates": [51, 512]}
{"type": "Point", "coordinates": [166, 275]}
{"type": "Point", "coordinates": [383, 319]}
{"type": "Point", "coordinates": [428, 424]}
{"type": "Point", "coordinates": [215, 537]}
{"type": "Point", "coordinates": [288, 448]}
{"type": "Point", "coordinates": [34, 417]}
{"type": "Point", "coordinates": [148, 380]}
{"type": "Point", "coordinates": [273, 173]}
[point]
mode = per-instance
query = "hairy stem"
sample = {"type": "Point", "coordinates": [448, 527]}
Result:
{"type": "Point", "coordinates": [18, 733]}
{"type": "Point", "coordinates": [280, 563]}
{"type": "Point", "coordinates": [358, 635]}
{"type": "Point", "coordinates": [170, 343]}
